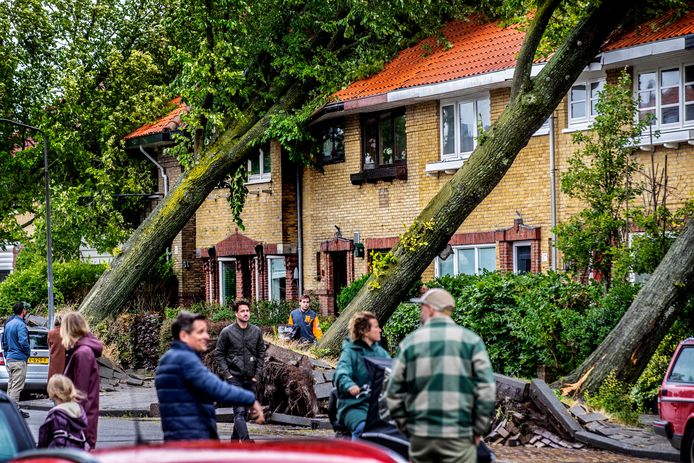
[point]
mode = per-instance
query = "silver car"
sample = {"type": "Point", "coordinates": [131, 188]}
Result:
{"type": "Point", "coordinates": [37, 365]}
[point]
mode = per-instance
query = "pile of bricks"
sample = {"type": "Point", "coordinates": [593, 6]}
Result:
{"type": "Point", "coordinates": [507, 432]}
{"type": "Point", "coordinates": [111, 376]}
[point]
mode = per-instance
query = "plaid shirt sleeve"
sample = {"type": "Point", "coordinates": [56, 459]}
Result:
{"type": "Point", "coordinates": [484, 391]}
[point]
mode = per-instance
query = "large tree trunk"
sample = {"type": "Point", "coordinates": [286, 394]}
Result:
{"type": "Point", "coordinates": [153, 236]}
{"type": "Point", "coordinates": [534, 101]}
{"type": "Point", "coordinates": [631, 344]}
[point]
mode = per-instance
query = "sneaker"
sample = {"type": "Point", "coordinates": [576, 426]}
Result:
{"type": "Point", "coordinates": [24, 414]}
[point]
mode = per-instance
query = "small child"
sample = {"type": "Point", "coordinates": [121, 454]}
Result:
{"type": "Point", "coordinates": [67, 421]}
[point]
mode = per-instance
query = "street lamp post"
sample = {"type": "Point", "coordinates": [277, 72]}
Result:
{"type": "Point", "coordinates": [49, 241]}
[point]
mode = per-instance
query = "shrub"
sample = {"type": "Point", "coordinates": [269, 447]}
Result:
{"type": "Point", "coordinates": [526, 320]}
{"type": "Point", "coordinates": [645, 391]}
{"type": "Point", "coordinates": [135, 338]}
{"type": "Point", "coordinates": [404, 320]}
{"type": "Point", "coordinates": [348, 292]}
{"type": "Point", "coordinates": [612, 398]}
{"type": "Point", "coordinates": [71, 282]}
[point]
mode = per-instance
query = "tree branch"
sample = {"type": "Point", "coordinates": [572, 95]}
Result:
{"type": "Point", "coordinates": [524, 63]}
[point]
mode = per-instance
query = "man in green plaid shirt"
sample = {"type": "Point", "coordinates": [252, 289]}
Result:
{"type": "Point", "coordinates": [441, 392]}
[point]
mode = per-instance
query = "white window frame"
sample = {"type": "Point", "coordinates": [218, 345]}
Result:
{"type": "Point", "coordinates": [474, 99]}
{"type": "Point", "coordinates": [265, 174]}
{"type": "Point", "coordinates": [516, 245]}
{"type": "Point", "coordinates": [658, 96]}
{"type": "Point", "coordinates": [454, 255]}
{"type": "Point", "coordinates": [220, 262]}
{"type": "Point", "coordinates": [584, 121]}
{"type": "Point", "coordinates": [269, 277]}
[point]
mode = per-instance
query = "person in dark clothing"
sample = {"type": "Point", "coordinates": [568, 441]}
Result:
{"type": "Point", "coordinates": [351, 373]}
{"type": "Point", "coordinates": [240, 354]}
{"type": "Point", "coordinates": [56, 350]}
{"type": "Point", "coordinates": [82, 351]}
{"type": "Point", "coordinates": [65, 423]}
{"type": "Point", "coordinates": [305, 322]}
{"type": "Point", "coordinates": [15, 343]}
{"type": "Point", "coordinates": [187, 389]}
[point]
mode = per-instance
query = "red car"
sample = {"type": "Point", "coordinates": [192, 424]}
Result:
{"type": "Point", "coordinates": [676, 401]}
{"type": "Point", "coordinates": [307, 451]}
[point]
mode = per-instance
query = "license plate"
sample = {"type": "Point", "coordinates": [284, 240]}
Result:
{"type": "Point", "coordinates": [39, 360]}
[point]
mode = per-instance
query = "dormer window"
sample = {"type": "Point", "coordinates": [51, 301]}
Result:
{"type": "Point", "coordinates": [384, 141]}
{"type": "Point", "coordinates": [383, 147]}
{"type": "Point", "coordinates": [259, 165]}
{"type": "Point", "coordinates": [332, 142]}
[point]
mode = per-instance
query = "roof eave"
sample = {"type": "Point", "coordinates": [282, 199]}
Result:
{"type": "Point", "coordinates": [659, 47]}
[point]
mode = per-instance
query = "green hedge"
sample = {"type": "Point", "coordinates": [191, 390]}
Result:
{"type": "Point", "coordinates": [527, 320]}
{"type": "Point", "coordinates": [71, 280]}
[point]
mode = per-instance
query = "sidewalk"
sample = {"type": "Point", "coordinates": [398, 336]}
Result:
{"type": "Point", "coordinates": [126, 401]}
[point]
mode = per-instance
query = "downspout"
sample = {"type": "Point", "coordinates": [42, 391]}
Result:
{"type": "Point", "coordinates": [552, 191]}
{"type": "Point", "coordinates": [257, 283]}
{"type": "Point", "coordinates": [299, 229]}
{"type": "Point", "coordinates": [161, 170]}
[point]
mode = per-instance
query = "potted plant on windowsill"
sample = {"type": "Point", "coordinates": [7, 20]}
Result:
{"type": "Point", "coordinates": [369, 162]}
{"type": "Point", "coordinates": [387, 155]}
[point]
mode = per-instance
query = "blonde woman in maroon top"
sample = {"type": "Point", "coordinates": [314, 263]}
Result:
{"type": "Point", "coordinates": [82, 351]}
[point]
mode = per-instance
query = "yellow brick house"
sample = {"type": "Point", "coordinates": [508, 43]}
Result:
{"type": "Point", "coordinates": [391, 141]}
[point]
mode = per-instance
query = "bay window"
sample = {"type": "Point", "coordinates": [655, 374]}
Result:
{"type": "Point", "coordinates": [668, 95]}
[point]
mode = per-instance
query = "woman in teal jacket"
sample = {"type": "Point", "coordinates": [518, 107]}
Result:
{"type": "Point", "coordinates": [351, 373]}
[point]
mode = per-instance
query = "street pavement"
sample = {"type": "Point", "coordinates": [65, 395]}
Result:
{"type": "Point", "coordinates": [116, 432]}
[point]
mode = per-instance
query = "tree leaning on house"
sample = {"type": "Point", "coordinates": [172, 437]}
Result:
{"type": "Point", "coordinates": [532, 101]}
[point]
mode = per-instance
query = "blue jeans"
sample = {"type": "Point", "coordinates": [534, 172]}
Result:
{"type": "Point", "coordinates": [241, 412]}
{"type": "Point", "coordinates": [356, 434]}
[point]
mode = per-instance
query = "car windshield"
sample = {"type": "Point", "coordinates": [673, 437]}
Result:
{"type": "Point", "coordinates": [38, 340]}
{"type": "Point", "coordinates": [683, 370]}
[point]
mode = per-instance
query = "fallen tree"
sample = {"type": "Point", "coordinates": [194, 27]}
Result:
{"type": "Point", "coordinates": [631, 344]}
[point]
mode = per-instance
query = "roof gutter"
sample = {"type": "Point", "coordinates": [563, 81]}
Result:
{"type": "Point", "coordinates": [161, 170]}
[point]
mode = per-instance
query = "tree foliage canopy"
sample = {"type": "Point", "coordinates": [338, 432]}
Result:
{"type": "Point", "coordinates": [90, 72]}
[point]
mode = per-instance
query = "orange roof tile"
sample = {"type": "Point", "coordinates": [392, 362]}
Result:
{"type": "Point", "coordinates": [168, 123]}
{"type": "Point", "coordinates": [665, 27]}
{"type": "Point", "coordinates": [476, 49]}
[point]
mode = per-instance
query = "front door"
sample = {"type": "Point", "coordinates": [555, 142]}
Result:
{"type": "Point", "coordinates": [339, 263]}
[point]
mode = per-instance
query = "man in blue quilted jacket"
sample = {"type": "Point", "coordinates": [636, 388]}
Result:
{"type": "Point", "coordinates": [187, 389]}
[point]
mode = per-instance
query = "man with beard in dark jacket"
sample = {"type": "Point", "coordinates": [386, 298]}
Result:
{"type": "Point", "coordinates": [240, 354]}
{"type": "Point", "coordinates": [187, 389]}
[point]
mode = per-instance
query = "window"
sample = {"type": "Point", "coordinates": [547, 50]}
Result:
{"type": "Point", "coordinates": [259, 166]}
{"type": "Point", "coordinates": [467, 260]}
{"type": "Point", "coordinates": [521, 257]}
{"type": "Point", "coordinates": [462, 122]}
{"type": "Point", "coordinates": [667, 94]}
{"type": "Point", "coordinates": [683, 369]}
{"type": "Point", "coordinates": [227, 281]}
{"type": "Point", "coordinates": [384, 141]}
{"type": "Point", "coordinates": [332, 140]}
{"type": "Point", "coordinates": [583, 100]}
{"type": "Point", "coordinates": [278, 279]}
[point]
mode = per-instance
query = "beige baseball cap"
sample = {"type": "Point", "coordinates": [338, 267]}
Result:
{"type": "Point", "coordinates": [438, 298]}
